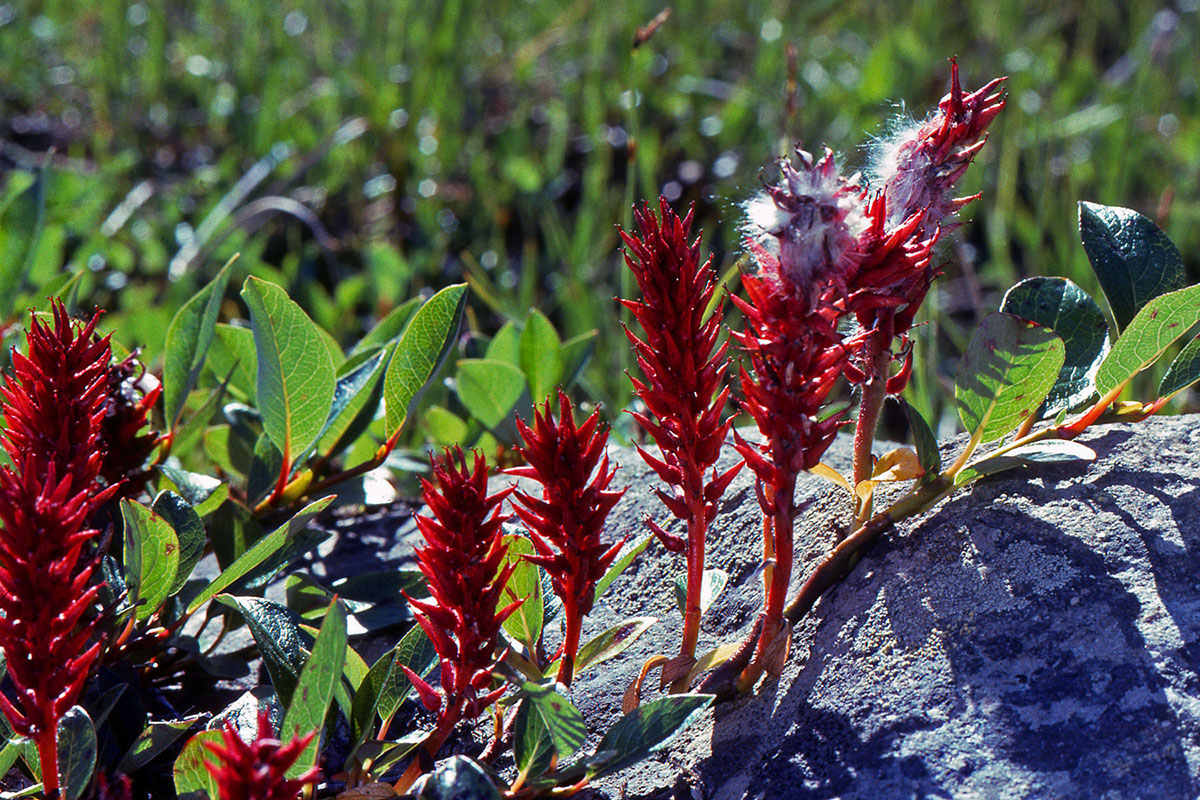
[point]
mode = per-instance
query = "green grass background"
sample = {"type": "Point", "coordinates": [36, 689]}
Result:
{"type": "Point", "coordinates": [359, 151]}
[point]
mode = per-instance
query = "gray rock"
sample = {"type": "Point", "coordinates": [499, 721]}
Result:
{"type": "Point", "coordinates": [1036, 636]}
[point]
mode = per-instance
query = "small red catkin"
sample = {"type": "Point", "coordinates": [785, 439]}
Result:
{"type": "Point", "coordinates": [54, 407]}
{"type": "Point", "coordinates": [462, 564]}
{"type": "Point", "coordinates": [565, 523]}
{"type": "Point", "coordinates": [257, 771]}
{"type": "Point", "coordinates": [684, 384]}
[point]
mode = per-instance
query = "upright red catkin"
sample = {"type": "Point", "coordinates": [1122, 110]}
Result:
{"type": "Point", "coordinates": [565, 523]}
{"type": "Point", "coordinates": [53, 408]}
{"type": "Point", "coordinates": [915, 173]}
{"type": "Point", "coordinates": [683, 386]}
{"type": "Point", "coordinates": [258, 770]}
{"type": "Point", "coordinates": [797, 355]}
{"type": "Point", "coordinates": [461, 562]}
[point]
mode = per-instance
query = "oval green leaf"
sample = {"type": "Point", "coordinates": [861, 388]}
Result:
{"type": "Point", "coordinates": [1132, 257]}
{"type": "Point", "coordinates": [189, 532]}
{"type": "Point", "coordinates": [422, 348]}
{"type": "Point", "coordinates": [506, 344]}
{"type": "Point", "coordinates": [151, 557]}
{"type": "Point", "coordinates": [562, 720]}
{"type": "Point", "coordinates": [1159, 324]}
{"type": "Point", "coordinates": [1184, 370]}
{"type": "Point", "coordinates": [1061, 306]}
{"type": "Point", "coordinates": [192, 779]}
{"type": "Point", "coordinates": [76, 752]}
{"type": "Point", "coordinates": [644, 731]}
{"type": "Point", "coordinates": [1009, 366]}
{"type": "Point", "coordinates": [296, 377]}
{"type": "Point", "coordinates": [532, 746]}
{"type": "Point", "coordinates": [489, 389]}
{"type": "Point", "coordinates": [541, 355]}
{"type": "Point", "coordinates": [416, 652]}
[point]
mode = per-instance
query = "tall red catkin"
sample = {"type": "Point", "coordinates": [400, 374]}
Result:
{"type": "Point", "coordinates": [683, 386]}
{"type": "Point", "coordinates": [258, 770]}
{"type": "Point", "coordinates": [54, 407]}
{"type": "Point", "coordinates": [565, 523]}
{"type": "Point", "coordinates": [915, 173]}
{"type": "Point", "coordinates": [462, 564]}
{"type": "Point", "coordinates": [797, 356]}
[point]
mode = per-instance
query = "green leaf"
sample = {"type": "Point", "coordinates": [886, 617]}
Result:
{"type": "Point", "coordinates": [646, 730]}
{"type": "Point", "coordinates": [154, 738]}
{"type": "Point", "coordinates": [187, 434]}
{"type": "Point", "coordinates": [192, 779]}
{"type": "Point", "coordinates": [445, 427]}
{"type": "Point", "coordinates": [295, 371]}
{"type": "Point", "coordinates": [280, 640]}
{"type": "Point", "coordinates": [366, 698]}
{"type": "Point", "coordinates": [262, 549]}
{"type": "Point", "coordinates": [1061, 306]}
{"type": "Point", "coordinates": [1009, 366]}
{"type": "Point", "coordinates": [314, 691]}
{"type": "Point", "coordinates": [459, 778]}
{"type": "Point", "coordinates": [416, 652]}
{"type": "Point", "coordinates": [621, 564]}
{"type": "Point", "coordinates": [1183, 372]}
{"type": "Point", "coordinates": [524, 624]}
{"type": "Point", "coordinates": [421, 350]}
{"type": "Point", "coordinates": [506, 344]}
{"type": "Point", "coordinates": [612, 642]}
{"type": "Point", "coordinates": [532, 746]}
{"type": "Point", "coordinates": [151, 557]}
{"type": "Point", "coordinates": [203, 492]}
{"type": "Point", "coordinates": [1132, 257]}
{"type": "Point", "coordinates": [76, 752]}
{"type": "Point", "coordinates": [562, 720]}
{"type": "Point", "coordinates": [232, 355]}
{"type": "Point", "coordinates": [1050, 451]}
{"type": "Point", "coordinates": [189, 533]}
{"type": "Point", "coordinates": [388, 328]}
{"type": "Point", "coordinates": [354, 393]}
{"type": "Point", "coordinates": [541, 359]}
{"type": "Point", "coordinates": [928, 455]}
{"type": "Point", "coordinates": [489, 389]}
{"type": "Point", "coordinates": [1156, 327]}
{"type": "Point", "coordinates": [712, 583]}
{"type": "Point", "coordinates": [265, 467]}
{"type": "Point", "coordinates": [387, 753]}
{"type": "Point", "coordinates": [189, 336]}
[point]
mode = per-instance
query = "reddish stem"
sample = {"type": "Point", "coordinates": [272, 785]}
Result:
{"type": "Point", "coordinates": [573, 624]}
{"type": "Point", "coordinates": [47, 747]}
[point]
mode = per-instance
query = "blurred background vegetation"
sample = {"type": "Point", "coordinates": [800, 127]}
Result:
{"type": "Point", "coordinates": [361, 151]}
